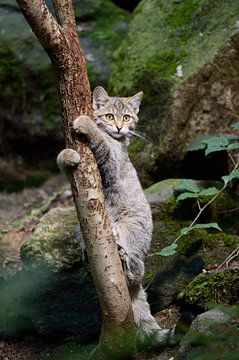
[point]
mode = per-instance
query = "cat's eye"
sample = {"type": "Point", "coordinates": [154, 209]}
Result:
{"type": "Point", "coordinates": [109, 117]}
{"type": "Point", "coordinates": [126, 118]}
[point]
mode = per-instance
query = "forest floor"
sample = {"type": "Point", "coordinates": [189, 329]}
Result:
{"type": "Point", "coordinates": [20, 213]}
{"type": "Point", "coordinates": [35, 348]}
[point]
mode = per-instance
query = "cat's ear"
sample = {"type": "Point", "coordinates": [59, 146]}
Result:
{"type": "Point", "coordinates": [100, 98]}
{"type": "Point", "coordinates": [134, 101]}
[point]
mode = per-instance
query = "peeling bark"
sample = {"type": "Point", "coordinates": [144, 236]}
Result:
{"type": "Point", "coordinates": [60, 40]}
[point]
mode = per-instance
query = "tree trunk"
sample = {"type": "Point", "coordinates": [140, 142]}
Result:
{"type": "Point", "coordinates": [59, 38]}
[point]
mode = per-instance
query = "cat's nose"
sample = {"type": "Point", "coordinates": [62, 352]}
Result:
{"type": "Point", "coordinates": [119, 128]}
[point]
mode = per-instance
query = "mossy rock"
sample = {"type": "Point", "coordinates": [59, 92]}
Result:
{"type": "Point", "coordinates": [52, 292]}
{"type": "Point", "coordinates": [199, 249]}
{"type": "Point", "coordinates": [163, 38]}
{"type": "Point", "coordinates": [54, 243]}
{"type": "Point", "coordinates": [213, 335]}
{"type": "Point", "coordinates": [220, 287]}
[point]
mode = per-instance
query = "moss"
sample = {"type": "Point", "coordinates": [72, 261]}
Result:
{"type": "Point", "coordinates": [176, 41]}
{"type": "Point", "coordinates": [12, 78]}
{"type": "Point", "coordinates": [54, 242]}
{"type": "Point", "coordinates": [107, 25]}
{"type": "Point", "coordinates": [200, 238]}
{"type": "Point", "coordinates": [221, 287]}
{"type": "Point", "coordinates": [163, 35]}
{"type": "Point", "coordinates": [183, 14]}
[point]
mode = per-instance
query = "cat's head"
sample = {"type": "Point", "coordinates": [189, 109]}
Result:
{"type": "Point", "coordinates": [116, 115]}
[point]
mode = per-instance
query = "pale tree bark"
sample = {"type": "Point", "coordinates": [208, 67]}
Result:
{"type": "Point", "coordinates": [59, 38]}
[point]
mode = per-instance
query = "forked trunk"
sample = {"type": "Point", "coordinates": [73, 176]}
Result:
{"type": "Point", "coordinates": [60, 40]}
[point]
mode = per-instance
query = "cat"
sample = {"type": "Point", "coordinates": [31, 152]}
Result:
{"type": "Point", "coordinates": [128, 209]}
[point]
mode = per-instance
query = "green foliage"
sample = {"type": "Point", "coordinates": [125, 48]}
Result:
{"type": "Point", "coordinates": [190, 190]}
{"type": "Point", "coordinates": [187, 185]}
{"type": "Point", "coordinates": [193, 191]}
{"type": "Point", "coordinates": [186, 230]}
{"type": "Point", "coordinates": [168, 250]}
{"type": "Point", "coordinates": [233, 175]}
{"type": "Point", "coordinates": [236, 126]}
{"type": "Point", "coordinates": [210, 144]}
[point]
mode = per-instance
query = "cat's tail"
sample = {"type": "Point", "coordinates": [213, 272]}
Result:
{"type": "Point", "coordinates": [150, 335]}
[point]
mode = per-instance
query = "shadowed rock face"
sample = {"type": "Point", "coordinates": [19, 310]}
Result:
{"type": "Point", "coordinates": [127, 5]}
{"type": "Point", "coordinates": [181, 56]}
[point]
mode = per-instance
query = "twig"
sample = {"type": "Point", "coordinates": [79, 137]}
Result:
{"type": "Point", "coordinates": [206, 205]}
{"type": "Point", "coordinates": [234, 254]}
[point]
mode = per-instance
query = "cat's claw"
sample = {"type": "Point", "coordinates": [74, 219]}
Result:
{"type": "Point", "coordinates": [132, 265]}
{"type": "Point", "coordinates": [82, 124]}
{"type": "Point", "coordinates": [123, 254]}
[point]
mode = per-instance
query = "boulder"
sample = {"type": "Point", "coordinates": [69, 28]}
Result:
{"type": "Point", "coordinates": [213, 334]}
{"type": "Point", "coordinates": [183, 59]}
{"type": "Point", "coordinates": [53, 293]}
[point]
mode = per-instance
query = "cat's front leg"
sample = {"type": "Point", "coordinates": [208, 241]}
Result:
{"type": "Point", "coordinates": [67, 159]}
{"type": "Point", "coordinates": [84, 125]}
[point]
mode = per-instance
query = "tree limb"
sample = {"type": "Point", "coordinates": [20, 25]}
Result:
{"type": "Point", "coordinates": [41, 21]}
{"type": "Point", "coordinates": [62, 44]}
{"type": "Point", "coordinates": [64, 12]}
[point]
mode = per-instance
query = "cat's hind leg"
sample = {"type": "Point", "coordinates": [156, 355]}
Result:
{"type": "Point", "coordinates": [67, 159]}
{"type": "Point", "coordinates": [149, 332]}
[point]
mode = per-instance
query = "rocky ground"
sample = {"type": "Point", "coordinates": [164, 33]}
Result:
{"type": "Point", "coordinates": [41, 265]}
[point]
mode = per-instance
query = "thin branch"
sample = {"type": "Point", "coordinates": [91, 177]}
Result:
{"type": "Point", "coordinates": [64, 12]}
{"type": "Point", "coordinates": [234, 254]}
{"type": "Point", "coordinates": [231, 158]}
{"type": "Point", "coordinates": [205, 206]}
{"type": "Point", "coordinates": [42, 22]}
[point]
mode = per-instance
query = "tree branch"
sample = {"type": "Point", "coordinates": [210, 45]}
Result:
{"type": "Point", "coordinates": [64, 12]}
{"type": "Point", "coordinates": [41, 21]}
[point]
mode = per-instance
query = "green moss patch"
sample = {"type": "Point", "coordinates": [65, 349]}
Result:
{"type": "Point", "coordinates": [220, 287]}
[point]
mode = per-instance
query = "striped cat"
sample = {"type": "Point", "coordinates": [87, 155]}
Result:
{"type": "Point", "coordinates": [128, 209]}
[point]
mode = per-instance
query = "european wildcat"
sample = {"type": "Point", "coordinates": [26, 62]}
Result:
{"type": "Point", "coordinates": [128, 209]}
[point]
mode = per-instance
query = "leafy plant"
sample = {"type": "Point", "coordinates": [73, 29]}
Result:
{"type": "Point", "coordinates": [190, 190]}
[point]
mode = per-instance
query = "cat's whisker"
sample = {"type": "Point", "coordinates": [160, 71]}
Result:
{"type": "Point", "coordinates": [141, 136]}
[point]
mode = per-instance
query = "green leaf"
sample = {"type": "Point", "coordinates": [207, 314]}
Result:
{"type": "Point", "coordinates": [186, 230]}
{"type": "Point", "coordinates": [236, 126]}
{"type": "Point", "coordinates": [187, 195]}
{"type": "Point", "coordinates": [216, 141]}
{"type": "Point", "coordinates": [233, 146]}
{"type": "Point", "coordinates": [188, 186]}
{"type": "Point", "coordinates": [211, 149]}
{"type": "Point", "coordinates": [196, 145]}
{"type": "Point", "coordinates": [233, 175]}
{"type": "Point", "coordinates": [209, 192]}
{"type": "Point", "coordinates": [167, 251]}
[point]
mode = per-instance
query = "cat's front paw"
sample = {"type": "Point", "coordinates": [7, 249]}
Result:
{"type": "Point", "coordinates": [67, 159]}
{"type": "Point", "coordinates": [82, 124]}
